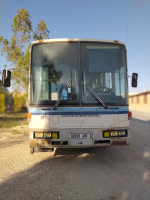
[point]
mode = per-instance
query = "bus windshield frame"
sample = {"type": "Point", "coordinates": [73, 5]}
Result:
{"type": "Point", "coordinates": [64, 70]}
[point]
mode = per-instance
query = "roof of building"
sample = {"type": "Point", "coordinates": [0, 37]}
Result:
{"type": "Point", "coordinates": [140, 93]}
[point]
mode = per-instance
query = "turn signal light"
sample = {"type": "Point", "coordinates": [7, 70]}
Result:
{"type": "Point", "coordinates": [28, 117]}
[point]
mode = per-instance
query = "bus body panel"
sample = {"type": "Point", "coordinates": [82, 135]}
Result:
{"type": "Point", "coordinates": [46, 122]}
{"type": "Point", "coordinates": [85, 123]}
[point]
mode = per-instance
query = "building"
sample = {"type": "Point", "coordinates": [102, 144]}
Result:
{"type": "Point", "coordinates": [140, 101]}
{"type": "Point", "coordinates": [140, 98]}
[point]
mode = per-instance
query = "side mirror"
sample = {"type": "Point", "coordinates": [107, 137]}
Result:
{"type": "Point", "coordinates": [134, 79]}
{"type": "Point", "coordinates": [6, 78]}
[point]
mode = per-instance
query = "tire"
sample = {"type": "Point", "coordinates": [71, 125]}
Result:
{"type": "Point", "coordinates": [31, 150]}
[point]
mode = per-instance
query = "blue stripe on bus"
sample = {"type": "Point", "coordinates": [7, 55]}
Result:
{"type": "Point", "coordinates": [80, 113]}
{"type": "Point", "coordinates": [78, 110]}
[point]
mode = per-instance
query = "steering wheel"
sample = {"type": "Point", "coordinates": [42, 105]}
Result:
{"type": "Point", "coordinates": [102, 89]}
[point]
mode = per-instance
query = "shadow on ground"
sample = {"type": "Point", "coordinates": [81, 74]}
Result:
{"type": "Point", "coordinates": [79, 174]}
{"type": "Point", "coordinates": [141, 121]}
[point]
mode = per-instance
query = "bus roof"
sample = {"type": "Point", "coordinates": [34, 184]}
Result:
{"type": "Point", "coordinates": [76, 40]}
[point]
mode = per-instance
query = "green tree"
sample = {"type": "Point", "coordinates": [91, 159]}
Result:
{"type": "Point", "coordinates": [41, 32]}
{"type": "Point", "coordinates": [22, 27]}
{"type": "Point", "coordinates": [17, 48]}
{"type": "Point", "coordinates": [14, 49]}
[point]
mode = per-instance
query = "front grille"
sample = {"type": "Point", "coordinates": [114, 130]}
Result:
{"type": "Point", "coordinates": [102, 142]}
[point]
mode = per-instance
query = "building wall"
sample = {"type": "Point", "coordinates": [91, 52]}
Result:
{"type": "Point", "coordinates": [141, 98]}
{"type": "Point", "coordinates": [140, 102]}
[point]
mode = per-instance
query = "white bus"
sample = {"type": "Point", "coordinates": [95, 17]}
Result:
{"type": "Point", "coordinates": [78, 94]}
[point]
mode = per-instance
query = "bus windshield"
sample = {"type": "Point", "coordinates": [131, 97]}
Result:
{"type": "Point", "coordinates": [64, 71]}
{"type": "Point", "coordinates": [105, 71]}
{"type": "Point", "coordinates": [53, 66]}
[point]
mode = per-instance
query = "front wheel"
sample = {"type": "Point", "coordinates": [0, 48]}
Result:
{"type": "Point", "coordinates": [31, 150]}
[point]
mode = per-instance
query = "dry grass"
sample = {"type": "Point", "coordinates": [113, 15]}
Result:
{"type": "Point", "coordinates": [8, 120]}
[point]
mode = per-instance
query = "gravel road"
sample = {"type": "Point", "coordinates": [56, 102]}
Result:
{"type": "Point", "coordinates": [112, 173]}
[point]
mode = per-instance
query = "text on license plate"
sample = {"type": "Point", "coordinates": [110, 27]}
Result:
{"type": "Point", "coordinates": [81, 136]}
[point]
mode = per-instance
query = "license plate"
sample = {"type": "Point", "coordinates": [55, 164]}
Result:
{"type": "Point", "coordinates": [81, 136]}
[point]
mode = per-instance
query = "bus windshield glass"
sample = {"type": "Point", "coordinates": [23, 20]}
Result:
{"type": "Point", "coordinates": [104, 71]}
{"type": "Point", "coordinates": [65, 71]}
{"type": "Point", "coordinates": [54, 73]}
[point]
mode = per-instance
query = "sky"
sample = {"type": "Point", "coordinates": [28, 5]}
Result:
{"type": "Point", "coordinates": [123, 20]}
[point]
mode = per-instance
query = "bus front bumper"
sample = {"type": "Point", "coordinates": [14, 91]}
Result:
{"type": "Point", "coordinates": [48, 143]}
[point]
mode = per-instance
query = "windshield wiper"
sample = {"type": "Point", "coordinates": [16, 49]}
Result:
{"type": "Point", "coordinates": [64, 86]}
{"type": "Point", "coordinates": [111, 104]}
{"type": "Point", "coordinates": [91, 91]}
{"type": "Point", "coordinates": [60, 96]}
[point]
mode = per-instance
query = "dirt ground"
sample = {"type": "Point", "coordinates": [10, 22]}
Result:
{"type": "Point", "coordinates": [112, 173]}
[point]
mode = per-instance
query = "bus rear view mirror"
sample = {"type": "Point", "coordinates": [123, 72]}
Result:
{"type": "Point", "coordinates": [6, 78]}
{"type": "Point", "coordinates": [134, 79]}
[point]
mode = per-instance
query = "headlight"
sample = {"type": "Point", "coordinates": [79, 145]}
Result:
{"type": "Point", "coordinates": [122, 133]}
{"type": "Point", "coordinates": [114, 133]}
{"type": "Point", "coordinates": [47, 135]}
{"type": "Point", "coordinates": [52, 135]}
{"type": "Point", "coordinates": [38, 135]}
